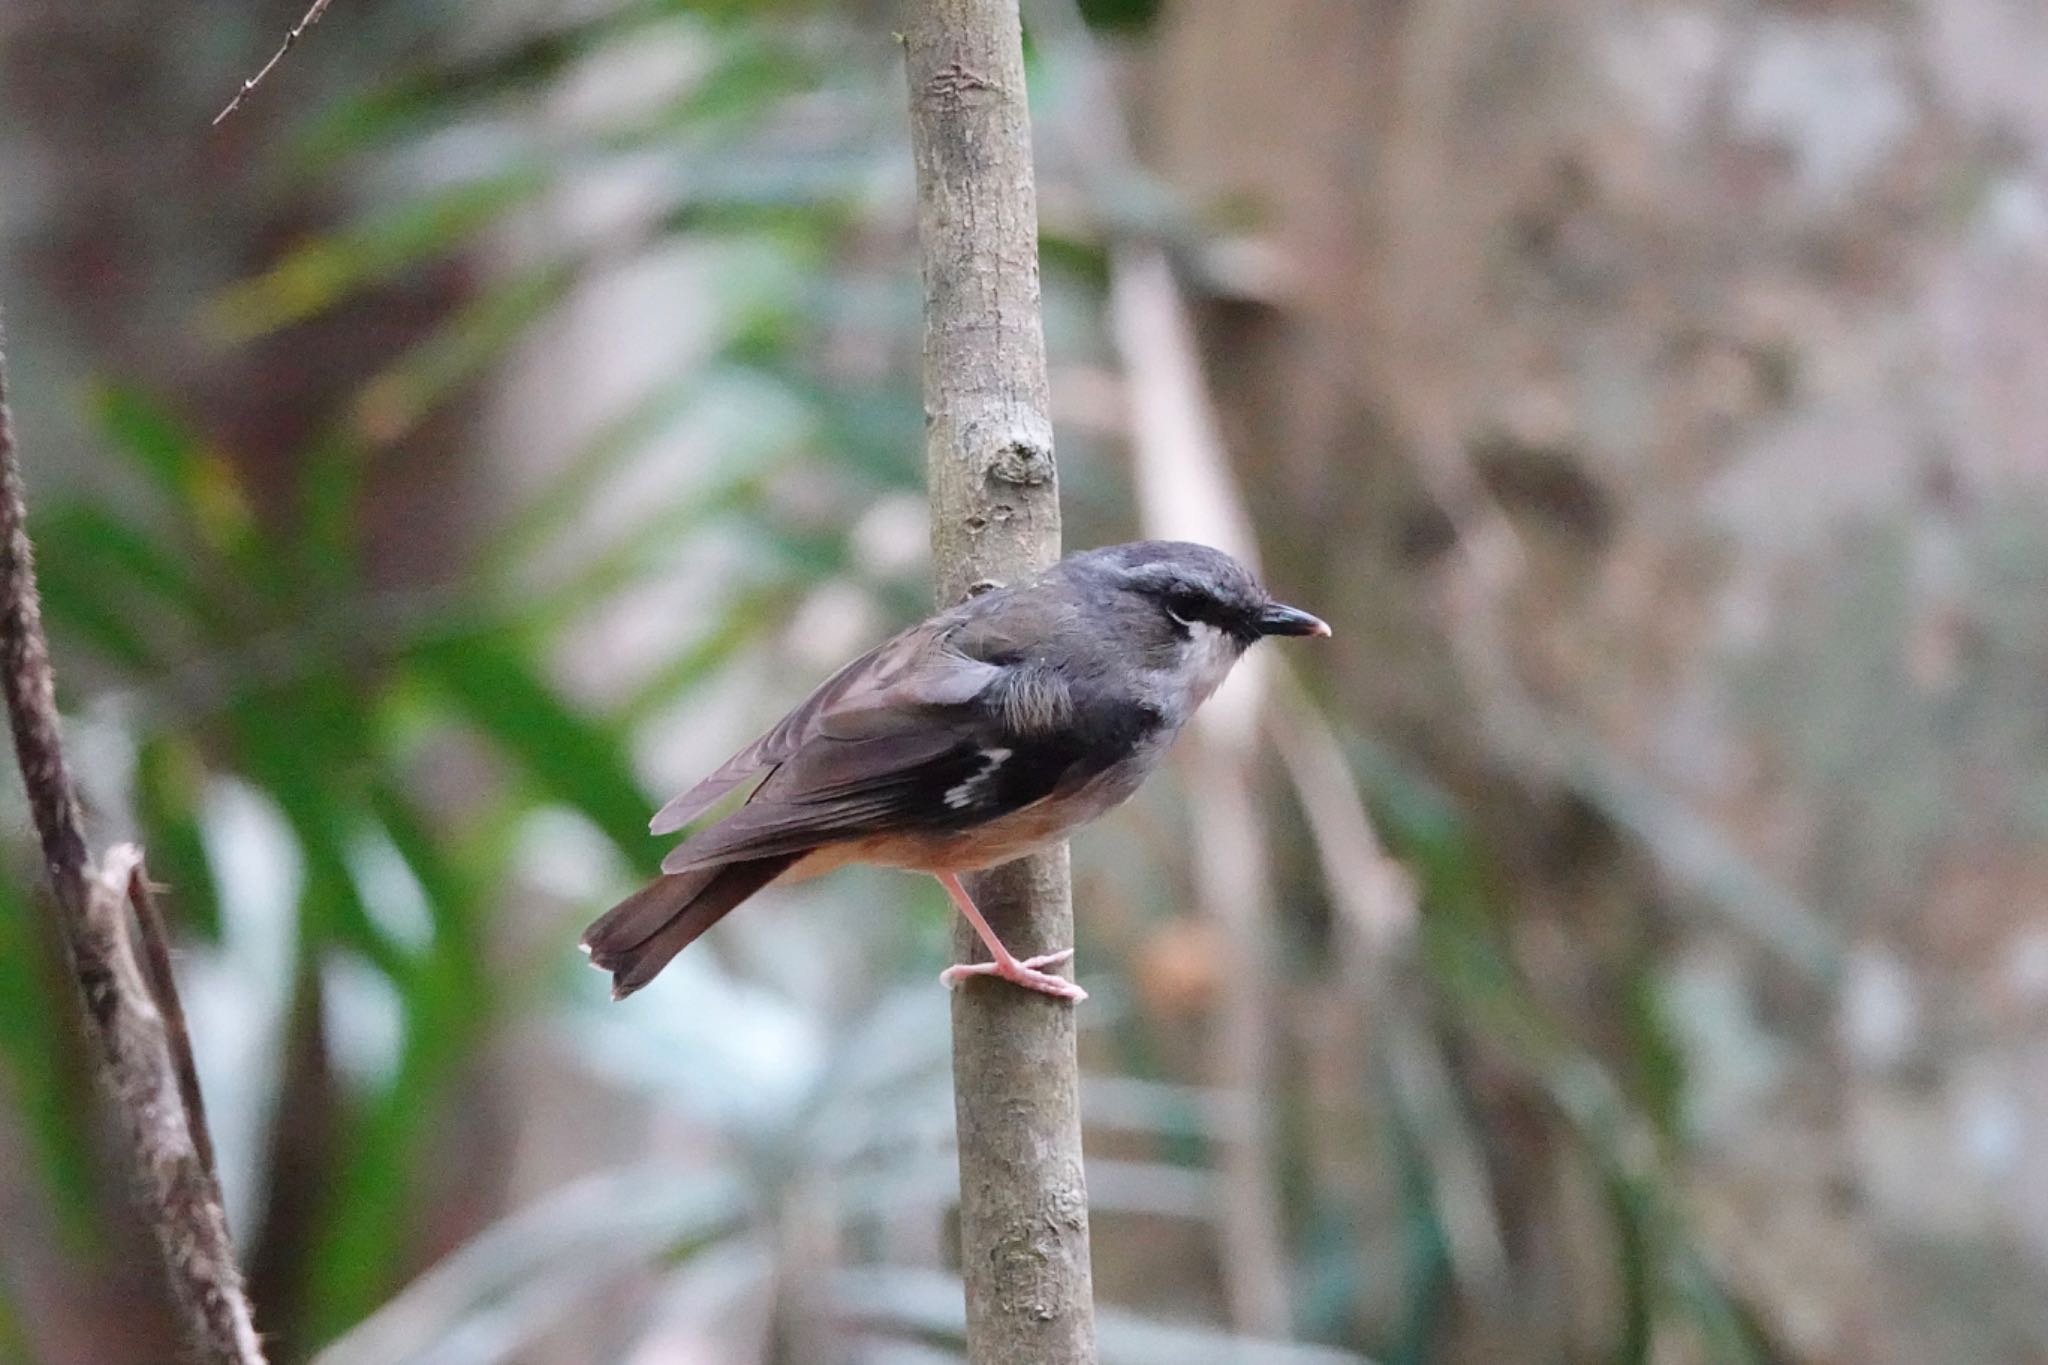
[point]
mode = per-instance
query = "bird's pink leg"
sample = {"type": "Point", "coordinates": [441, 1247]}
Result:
{"type": "Point", "coordinates": [1007, 965]}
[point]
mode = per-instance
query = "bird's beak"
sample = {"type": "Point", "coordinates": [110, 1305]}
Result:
{"type": "Point", "coordinates": [1277, 619]}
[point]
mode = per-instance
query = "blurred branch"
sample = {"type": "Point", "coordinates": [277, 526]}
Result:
{"type": "Point", "coordinates": [163, 989]}
{"type": "Point", "coordinates": [1485, 562]}
{"type": "Point", "coordinates": [923, 1303]}
{"type": "Point", "coordinates": [995, 517]}
{"type": "Point", "coordinates": [145, 1058]}
{"type": "Point", "coordinates": [584, 1233]}
{"type": "Point", "coordinates": [1375, 893]}
{"type": "Point", "coordinates": [1185, 492]}
{"type": "Point", "coordinates": [1186, 487]}
{"type": "Point", "coordinates": [306, 21]}
{"type": "Point", "coordinates": [1379, 910]}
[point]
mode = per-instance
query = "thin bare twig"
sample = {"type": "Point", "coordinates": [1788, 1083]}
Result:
{"type": "Point", "coordinates": [145, 1060]}
{"type": "Point", "coordinates": [1376, 895]}
{"type": "Point", "coordinates": [306, 21]}
{"type": "Point", "coordinates": [163, 988]}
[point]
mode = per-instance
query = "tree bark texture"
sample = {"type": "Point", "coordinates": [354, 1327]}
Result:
{"type": "Point", "coordinates": [995, 519]}
{"type": "Point", "coordinates": [137, 1026]}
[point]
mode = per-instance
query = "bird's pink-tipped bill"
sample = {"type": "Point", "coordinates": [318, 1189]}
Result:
{"type": "Point", "coordinates": [1281, 619]}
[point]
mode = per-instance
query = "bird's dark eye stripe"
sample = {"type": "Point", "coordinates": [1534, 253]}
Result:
{"type": "Point", "coordinates": [1191, 606]}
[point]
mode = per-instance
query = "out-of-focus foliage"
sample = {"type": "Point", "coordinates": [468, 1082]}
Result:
{"type": "Point", "coordinates": [658, 332]}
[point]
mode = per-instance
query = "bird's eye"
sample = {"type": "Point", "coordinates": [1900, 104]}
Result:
{"type": "Point", "coordinates": [1185, 606]}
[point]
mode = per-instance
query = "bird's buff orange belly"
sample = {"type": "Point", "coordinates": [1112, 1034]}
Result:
{"type": "Point", "coordinates": [1012, 836]}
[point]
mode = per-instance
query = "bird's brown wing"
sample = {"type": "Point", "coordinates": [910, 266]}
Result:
{"type": "Point", "coordinates": [952, 724]}
{"type": "Point", "coordinates": [951, 742]}
{"type": "Point", "coordinates": [833, 790]}
{"type": "Point", "coordinates": [911, 670]}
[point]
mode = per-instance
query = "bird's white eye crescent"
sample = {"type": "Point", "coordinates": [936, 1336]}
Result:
{"type": "Point", "coordinates": [1185, 606]}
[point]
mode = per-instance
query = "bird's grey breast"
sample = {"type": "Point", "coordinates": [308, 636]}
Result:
{"type": "Point", "coordinates": [1092, 685]}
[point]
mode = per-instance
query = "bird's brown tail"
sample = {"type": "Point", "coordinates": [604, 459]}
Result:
{"type": "Point", "coordinates": [636, 938]}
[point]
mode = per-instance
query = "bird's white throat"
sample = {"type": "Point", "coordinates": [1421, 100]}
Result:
{"type": "Point", "coordinates": [1207, 657]}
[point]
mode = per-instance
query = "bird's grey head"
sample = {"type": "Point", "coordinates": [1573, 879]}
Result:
{"type": "Point", "coordinates": [1186, 586]}
{"type": "Point", "coordinates": [1182, 613]}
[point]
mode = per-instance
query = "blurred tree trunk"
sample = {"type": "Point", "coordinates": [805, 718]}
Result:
{"type": "Point", "coordinates": [1343, 360]}
{"type": "Point", "coordinates": [1653, 395]}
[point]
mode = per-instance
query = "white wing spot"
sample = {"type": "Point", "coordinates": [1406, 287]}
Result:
{"type": "Point", "coordinates": [963, 792]}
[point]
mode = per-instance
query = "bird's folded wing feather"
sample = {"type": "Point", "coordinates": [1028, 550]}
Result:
{"type": "Point", "coordinates": [836, 789]}
{"type": "Point", "coordinates": [921, 737]}
{"type": "Point", "coordinates": [911, 671]}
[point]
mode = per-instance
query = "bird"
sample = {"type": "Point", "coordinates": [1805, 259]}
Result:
{"type": "Point", "coordinates": [985, 733]}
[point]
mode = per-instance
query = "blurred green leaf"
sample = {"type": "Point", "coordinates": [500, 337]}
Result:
{"type": "Point", "coordinates": [1635, 1257]}
{"type": "Point", "coordinates": [648, 546]}
{"type": "Point", "coordinates": [15, 1346]}
{"type": "Point", "coordinates": [397, 400]}
{"type": "Point", "coordinates": [750, 615]}
{"type": "Point", "coordinates": [410, 101]}
{"type": "Point", "coordinates": [569, 758]}
{"type": "Point", "coordinates": [79, 611]}
{"type": "Point", "coordinates": [202, 485]}
{"type": "Point", "coordinates": [549, 510]}
{"type": "Point", "coordinates": [877, 431]}
{"type": "Point", "coordinates": [1471, 969]}
{"type": "Point", "coordinates": [455, 895]}
{"type": "Point", "coordinates": [40, 1046]}
{"type": "Point", "coordinates": [1121, 14]}
{"type": "Point", "coordinates": [307, 746]}
{"type": "Point", "coordinates": [333, 489]}
{"type": "Point", "coordinates": [372, 1218]}
{"type": "Point", "coordinates": [324, 272]}
{"type": "Point", "coordinates": [1426, 1268]}
{"type": "Point", "coordinates": [122, 557]}
{"type": "Point", "coordinates": [750, 72]}
{"type": "Point", "coordinates": [374, 1207]}
{"type": "Point", "coordinates": [1658, 1057]}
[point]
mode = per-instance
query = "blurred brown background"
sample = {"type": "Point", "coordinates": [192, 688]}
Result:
{"type": "Point", "coordinates": [509, 410]}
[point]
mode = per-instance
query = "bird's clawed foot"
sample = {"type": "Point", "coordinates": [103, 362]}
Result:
{"type": "Point", "coordinates": [1023, 972]}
